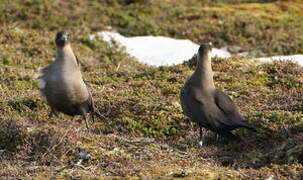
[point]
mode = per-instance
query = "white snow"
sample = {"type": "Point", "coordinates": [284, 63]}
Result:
{"type": "Point", "coordinates": [157, 50]}
{"type": "Point", "coordinates": [295, 58]}
{"type": "Point", "coordinates": [165, 51]}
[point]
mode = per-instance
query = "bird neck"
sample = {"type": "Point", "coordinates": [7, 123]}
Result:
{"type": "Point", "coordinates": [65, 53]}
{"type": "Point", "coordinates": [203, 74]}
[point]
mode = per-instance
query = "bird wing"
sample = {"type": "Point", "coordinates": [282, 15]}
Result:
{"type": "Point", "coordinates": [216, 113]}
{"type": "Point", "coordinates": [227, 106]}
{"type": "Point", "coordinates": [224, 102]}
{"type": "Point", "coordinates": [42, 79]}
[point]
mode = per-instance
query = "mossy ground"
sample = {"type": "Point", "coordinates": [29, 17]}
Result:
{"type": "Point", "coordinates": [143, 132]}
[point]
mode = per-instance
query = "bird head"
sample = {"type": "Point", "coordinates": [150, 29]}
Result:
{"type": "Point", "coordinates": [61, 38]}
{"type": "Point", "coordinates": [205, 50]}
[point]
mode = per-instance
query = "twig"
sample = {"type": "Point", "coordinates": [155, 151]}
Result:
{"type": "Point", "coordinates": [114, 173]}
{"type": "Point", "coordinates": [118, 67]}
{"type": "Point", "coordinates": [77, 164]}
{"type": "Point", "coordinates": [174, 149]}
{"type": "Point", "coordinates": [128, 143]}
{"type": "Point", "coordinates": [141, 148]}
{"type": "Point", "coordinates": [142, 140]}
{"type": "Point", "coordinates": [56, 145]}
{"type": "Point", "coordinates": [70, 167]}
{"type": "Point", "coordinates": [13, 26]}
{"type": "Point", "coordinates": [66, 167]}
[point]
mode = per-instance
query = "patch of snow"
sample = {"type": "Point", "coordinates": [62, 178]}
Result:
{"type": "Point", "coordinates": [165, 51]}
{"type": "Point", "coordinates": [157, 50]}
{"type": "Point", "coordinates": [295, 58]}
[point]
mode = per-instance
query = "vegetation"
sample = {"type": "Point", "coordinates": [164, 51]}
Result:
{"type": "Point", "coordinates": [143, 132]}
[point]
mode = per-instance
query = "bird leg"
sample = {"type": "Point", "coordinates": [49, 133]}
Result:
{"type": "Point", "coordinates": [86, 123]}
{"type": "Point", "coordinates": [83, 112]}
{"type": "Point", "coordinates": [201, 137]}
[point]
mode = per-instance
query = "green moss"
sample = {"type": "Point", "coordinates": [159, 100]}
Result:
{"type": "Point", "coordinates": [25, 104]}
{"type": "Point", "coordinates": [22, 85]}
{"type": "Point", "coordinates": [7, 61]}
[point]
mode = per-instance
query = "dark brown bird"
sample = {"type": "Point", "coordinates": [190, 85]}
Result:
{"type": "Point", "coordinates": [62, 85]}
{"type": "Point", "coordinates": [207, 106]}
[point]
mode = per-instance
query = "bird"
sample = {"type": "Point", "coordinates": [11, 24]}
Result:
{"type": "Point", "coordinates": [209, 107]}
{"type": "Point", "coordinates": [61, 83]}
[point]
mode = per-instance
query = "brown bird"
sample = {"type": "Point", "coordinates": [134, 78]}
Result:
{"type": "Point", "coordinates": [62, 85]}
{"type": "Point", "coordinates": [207, 106]}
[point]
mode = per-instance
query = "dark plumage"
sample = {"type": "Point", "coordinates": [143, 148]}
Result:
{"type": "Point", "coordinates": [207, 106]}
{"type": "Point", "coordinates": [62, 85]}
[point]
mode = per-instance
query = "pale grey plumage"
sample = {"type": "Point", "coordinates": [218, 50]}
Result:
{"type": "Point", "coordinates": [62, 85]}
{"type": "Point", "coordinates": [207, 106]}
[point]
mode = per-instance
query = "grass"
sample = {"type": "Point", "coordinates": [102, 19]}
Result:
{"type": "Point", "coordinates": [143, 132]}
